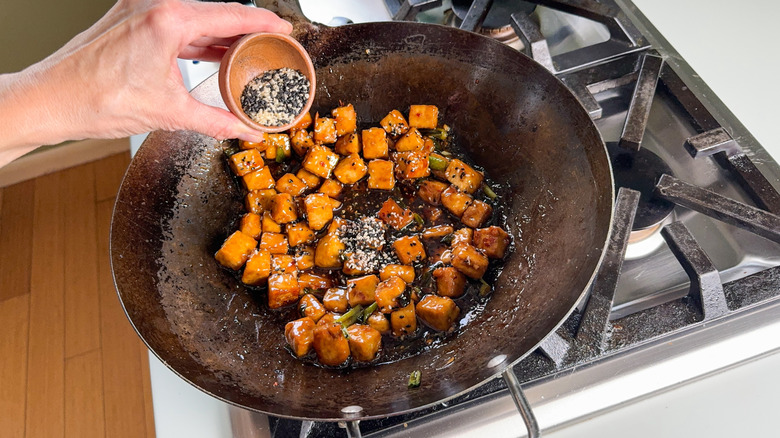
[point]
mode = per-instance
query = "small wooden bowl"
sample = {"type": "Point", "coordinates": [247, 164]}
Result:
{"type": "Point", "coordinates": [254, 54]}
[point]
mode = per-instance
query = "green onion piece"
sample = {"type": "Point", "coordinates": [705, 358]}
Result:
{"type": "Point", "coordinates": [488, 191]}
{"type": "Point", "coordinates": [437, 163]}
{"type": "Point", "coordinates": [280, 156]}
{"type": "Point", "coordinates": [438, 133]}
{"type": "Point", "coordinates": [368, 311]}
{"type": "Point", "coordinates": [344, 332]}
{"type": "Point", "coordinates": [418, 219]}
{"type": "Point", "coordinates": [350, 317]}
{"type": "Point", "coordinates": [484, 289]}
{"type": "Point", "coordinates": [232, 149]}
{"type": "Point", "coordinates": [414, 379]}
{"type": "Point", "coordinates": [447, 239]}
{"type": "Point", "coordinates": [446, 153]}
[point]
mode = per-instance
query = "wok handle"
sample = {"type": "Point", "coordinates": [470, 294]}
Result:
{"type": "Point", "coordinates": [522, 403]}
{"type": "Point", "coordinates": [291, 11]}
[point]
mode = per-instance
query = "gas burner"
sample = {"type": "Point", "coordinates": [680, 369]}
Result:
{"type": "Point", "coordinates": [497, 23]}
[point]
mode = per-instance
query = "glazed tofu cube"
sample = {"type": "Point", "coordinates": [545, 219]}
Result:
{"type": "Point", "coordinates": [304, 123]}
{"type": "Point", "coordinates": [381, 175]}
{"type": "Point", "coordinates": [246, 161]}
{"type": "Point", "coordinates": [283, 208]}
{"type": "Point", "coordinates": [432, 214]}
{"type": "Point", "coordinates": [428, 146]}
{"type": "Point", "coordinates": [346, 119]}
{"type": "Point", "coordinates": [319, 210]}
{"type": "Point", "coordinates": [355, 263]}
{"type": "Point", "coordinates": [289, 183]}
{"type": "Point", "coordinates": [335, 224]}
{"type": "Point", "coordinates": [350, 169]}
{"type": "Point", "coordinates": [274, 243]}
{"type": "Point", "coordinates": [348, 144]}
{"type": "Point", "coordinates": [324, 130]}
{"type": "Point", "coordinates": [405, 273]}
{"type": "Point", "coordinates": [437, 232]}
{"type": "Point", "coordinates": [299, 233]}
{"type": "Point", "coordinates": [269, 224]}
{"type": "Point", "coordinates": [449, 282]}
{"type": "Point", "coordinates": [411, 165]}
{"type": "Point", "coordinates": [331, 346]}
{"type": "Point", "coordinates": [430, 191]}
{"type": "Point", "coordinates": [403, 322]}
{"type": "Point", "coordinates": [361, 290]}
{"type": "Point", "coordinates": [392, 214]}
{"type": "Point", "coordinates": [301, 141]}
{"type": "Point", "coordinates": [331, 187]}
{"type": "Point", "coordinates": [320, 161]}
{"type": "Point", "coordinates": [311, 180]}
{"type": "Point", "coordinates": [455, 201]}
{"type": "Point", "coordinates": [388, 294]}
{"type": "Point", "coordinates": [469, 260]}
{"type": "Point", "coordinates": [463, 235]}
{"type": "Point", "coordinates": [412, 141]}
{"type": "Point", "coordinates": [257, 268]}
{"type": "Point", "coordinates": [236, 250]}
{"type": "Point", "coordinates": [283, 290]}
{"type": "Point", "coordinates": [335, 300]}
{"type": "Point", "coordinates": [329, 251]}
{"type": "Point", "coordinates": [423, 116]}
{"type": "Point", "coordinates": [378, 321]}
{"type": "Point", "coordinates": [476, 214]}
{"type": "Point", "coordinates": [310, 306]}
{"type": "Point", "coordinates": [314, 282]}
{"type": "Point", "coordinates": [259, 179]}
{"type": "Point", "coordinates": [299, 335]}
{"type": "Point", "coordinates": [260, 146]}
{"type": "Point", "coordinates": [394, 123]}
{"type": "Point", "coordinates": [258, 201]}
{"type": "Point", "coordinates": [409, 249]}
{"type": "Point", "coordinates": [463, 176]}
{"type": "Point", "coordinates": [493, 241]}
{"type": "Point", "coordinates": [304, 257]}
{"type": "Point", "coordinates": [439, 313]}
{"type": "Point", "coordinates": [279, 147]}
{"type": "Point", "coordinates": [250, 225]}
{"type": "Point", "coordinates": [364, 342]}
{"type": "Point", "coordinates": [374, 143]}
{"type": "Point", "coordinates": [283, 264]}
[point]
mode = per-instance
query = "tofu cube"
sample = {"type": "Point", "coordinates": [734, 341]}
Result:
{"type": "Point", "coordinates": [311, 180]}
{"type": "Point", "coordinates": [412, 141]}
{"type": "Point", "coordinates": [319, 210]}
{"type": "Point", "coordinates": [283, 290]}
{"type": "Point", "coordinates": [430, 191]}
{"type": "Point", "coordinates": [299, 335]}
{"type": "Point", "coordinates": [274, 243]}
{"type": "Point", "coordinates": [361, 290]}
{"type": "Point", "coordinates": [411, 165]}
{"type": "Point", "coordinates": [437, 232]}
{"type": "Point", "coordinates": [283, 264]}
{"type": "Point", "coordinates": [409, 249]}
{"type": "Point", "coordinates": [355, 262]}
{"type": "Point", "coordinates": [348, 144]}
{"type": "Point", "coordinates": [289, 183]}
{"type": "Point", "coordinates": [388, 294]}
{"type": "Point", "coordinates": [259, 179]}
{"type": "Point", "coordinates": [269, 224]}
{"type": "Point", "coordinates": [392, 214]}
{"type": "Point", "coordinates": [258, 201]}
{"type": "Point", "coordinates": [320, 161]}
{"type": "Point", "coordinates": [331, 187]}
{"type": "Point", "coordinates": [278, 144]}
{"type": "Point", "coordinates": [314, 282]}
{"type": "Point", "coordinates": [304, 257]}
{"type": "Point", "coordinates": [246, 161]}
{"type": "Point", "coordinates": [345, 118]}
{"type": "Point", "coordinates": [476, 214]}
{"type": "Point", "coordinates": [331, 346]}
{"type": "Point", "coordinates": [299, 233]}
{"type": "Point", "coordinates": [439, 313]}
{"type": "Point", "coordinates": [236, 250]}
{"type": "Point", "coordinates": [403, 321]}
{"type": "Point", "coordinates": [469, 260]}
{"type": "Point", "coordinates": [329, 251]}
{"type": "Point", "coordinates": [463, 235]}
{"type": "Point", "coordinates": [257, 269]}
{"type": "Point", "coordinates": [260, 146]}
{"type": "Point", "coordinates": [493, 241]}
{"type": "Point", "coordinates": [335, 300]}
{"type": "Point", "coordinates": [381, 175]}
{"type": "Point", "coordinates": [405, 273]}
{"type": "Point", "coordinates": [364, 342]}
{"type": "Point", "coordinates": [463, 176]}
{"type": "Point", "coordinates": [301, 141]}
{"type": "Point", "coordinates": [304, 123]}
{"type": "Point", "coordinates": [350, 169]}
{"type": "Point", "coordinates": [310, 306]}
{"type": "Point", "coordinates": [250, 225]}
{"type": "Point", "coordinates": [374, 143]}
{"type": "Point", "coordinates": [455, 201]}
{"type": "Point", "coordinates": [379, 322]}
{"type": "Point", "coordinates": [423, 116]}
{"type": "Point", "coordinates": [283, 208]}
{"type": "Point", "coordinates": [449, 282]}
{"type": "Point", "coordinates": [324, 130]}
{"type": "Point", "coordinates": [394, 123]}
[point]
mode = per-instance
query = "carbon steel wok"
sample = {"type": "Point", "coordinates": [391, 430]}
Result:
{"type": "Point", "coordinates": [177, 203]}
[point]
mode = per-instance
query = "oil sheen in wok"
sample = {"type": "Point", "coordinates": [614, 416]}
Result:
{"type": "Point", "coordinates": [376, 241]}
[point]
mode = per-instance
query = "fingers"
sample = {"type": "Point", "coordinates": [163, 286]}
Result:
{"type": "Point", "coordinates": [209, 54]}
{"type": "Point", "coordinates": [224, 20]}
{"type": "Point", "coordinates": [214, 122]}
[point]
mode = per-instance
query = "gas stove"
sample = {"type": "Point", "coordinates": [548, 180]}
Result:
{"type": "Point", "coordinates": [690, 284]}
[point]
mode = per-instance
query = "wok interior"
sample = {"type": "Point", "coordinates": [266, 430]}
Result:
{"type": "Point", "coordinates": [178, 203]}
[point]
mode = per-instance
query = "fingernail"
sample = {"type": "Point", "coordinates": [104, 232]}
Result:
{"type": "Point", "coordinates": [289, 27]}
{"type": "Point", "coordinates": [253, 136]}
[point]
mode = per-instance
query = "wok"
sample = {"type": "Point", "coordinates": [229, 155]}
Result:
{"type": "Point", "coordinates": [177, 203]}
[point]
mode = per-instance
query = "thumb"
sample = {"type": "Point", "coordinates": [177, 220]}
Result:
{"type": "Point", "coordinates": [215, 122]}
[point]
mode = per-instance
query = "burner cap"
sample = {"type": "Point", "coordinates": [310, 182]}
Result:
{"type": "Point", "coordinates": [498, 15]}
{"type": "Point", "coordinates": [640, 171]}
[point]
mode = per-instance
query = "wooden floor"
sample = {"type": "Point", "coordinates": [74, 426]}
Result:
{"type": "Point", "coordinates": [70, 363]}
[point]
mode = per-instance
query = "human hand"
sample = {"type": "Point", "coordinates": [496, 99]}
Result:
{"type": "Point", "coordinates": [120, 77]}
